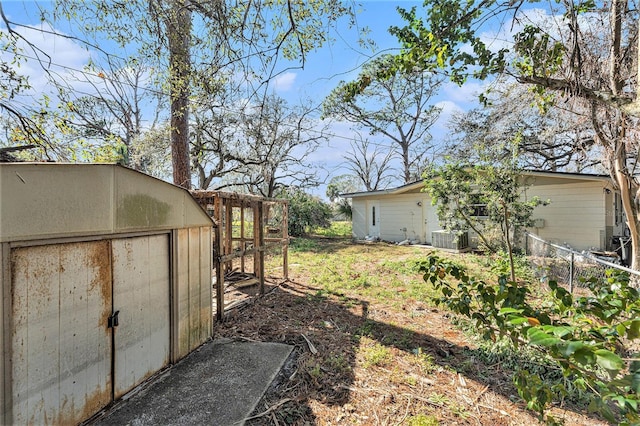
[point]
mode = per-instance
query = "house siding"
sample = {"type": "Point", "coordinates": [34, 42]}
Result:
{"type": "Point", "coordinates": [401, 217]}
{"type": "Point", "coordinates": [581, 213]}
{"type": "Point", "coordinates": [577, 213]}
{"type": "Point", "coordinates": [397, 212]}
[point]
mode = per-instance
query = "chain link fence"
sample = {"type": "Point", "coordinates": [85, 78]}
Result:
{"type": "Point", "coordinates": [566, 266]}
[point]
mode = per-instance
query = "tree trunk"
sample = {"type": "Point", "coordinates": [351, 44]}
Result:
{"type": "Point", "coordinates": [179, 36]}
{"type": "Point", "coordinates": [628, 190]}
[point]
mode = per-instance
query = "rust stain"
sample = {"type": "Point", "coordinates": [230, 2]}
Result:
{"type": "Point", "coordinates": [70, 414]}
{"type": "Point", "coordinates": [99, 259]}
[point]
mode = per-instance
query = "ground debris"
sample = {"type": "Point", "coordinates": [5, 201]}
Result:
{"type": "Point", "coordinates": [359, 361]}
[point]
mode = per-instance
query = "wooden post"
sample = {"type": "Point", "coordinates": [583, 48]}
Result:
{"type": "Point", "coordinates": [285, 239]}
{"type": "Point", "coordinates": [217, 253]}
{"type": "Point", "coordinates": [260, 253]}
{"type": "Point", "coordinates": [243, 246]}
{"type": "Point", "coordinates": [228, 231]}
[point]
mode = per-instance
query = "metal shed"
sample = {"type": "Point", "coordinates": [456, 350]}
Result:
{"type": "Point", "coordinates": [105, 278]}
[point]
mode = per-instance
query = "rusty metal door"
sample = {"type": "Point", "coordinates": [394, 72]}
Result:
{"type": "Point", "coordinates": [141, 301]}
{"type": "Point", "coordinates": [61, 347]}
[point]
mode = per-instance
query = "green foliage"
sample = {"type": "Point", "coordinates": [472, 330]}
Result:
{"type": "Point", "coordinates": [422, 420]}
{"type": "Point", "coordinates": [585, 336]}
{"type": "Point", "coordinates": [435, 41]}
{"type": "Point", "coordinates": [338, 229]}
{"type": "Point", "coordinates": [306, 212]}
{"type": "Point", "coordinates": [487, 199]}
{"type": "Point", "coordinates": [499, 264]}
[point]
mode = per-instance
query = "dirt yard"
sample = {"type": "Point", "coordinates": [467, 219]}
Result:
{"type": "Point", "coordinates": [371, 349]}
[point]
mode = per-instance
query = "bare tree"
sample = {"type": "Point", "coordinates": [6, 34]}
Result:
{"type": "Point", "coordinates": [216, 133]}
{"type": "Point", "coordinates": [120, 106]}
{"type": "Point", "coordinates": [553, 138]}
{"type": "Point", "coordinates": [279, 140]}
{"type": "Point", "coordinates": [371, 167]}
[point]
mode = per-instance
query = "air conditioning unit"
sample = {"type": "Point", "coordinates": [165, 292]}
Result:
{"type": "Point", "coordinates": [453, 240]}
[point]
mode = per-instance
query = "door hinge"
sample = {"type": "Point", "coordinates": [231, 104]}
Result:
{"type": "Point", "coordinates": [112, 321]}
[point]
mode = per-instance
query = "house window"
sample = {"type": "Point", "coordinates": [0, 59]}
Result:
{"type": "Point", "coordinates": [479, 206]}
{"type": "Point", "coordinates": [373, 215]}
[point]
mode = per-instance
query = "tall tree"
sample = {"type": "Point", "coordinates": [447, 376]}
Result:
{"type": "Point", "coordinates": [177, 21]}
{"type": "Point", "coordinates": [564, 55]}
{"type": "Point", "coordinates": [395, 105]}
{"type": "Point", "coordinates": [252, 36]}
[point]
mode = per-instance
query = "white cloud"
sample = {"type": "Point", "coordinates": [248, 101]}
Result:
{"type": "Point", "coordinates": [284, 82]}
{"type": "Point", "coordinates": [467, 93]}
{"type": "Point", "coordinates": [44, 55]}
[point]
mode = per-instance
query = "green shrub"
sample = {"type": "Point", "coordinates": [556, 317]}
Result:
{"type": "Point", "coordinates": [306, 212]}
{"type": "Point", "coordinates": [584, 337]}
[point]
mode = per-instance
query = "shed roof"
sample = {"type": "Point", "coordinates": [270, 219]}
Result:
{"type": "Point", "coordinates": [55, 200]}
{"type": "Point", "coordinates": [418, 185]}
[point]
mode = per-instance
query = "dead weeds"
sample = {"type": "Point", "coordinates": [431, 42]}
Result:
{"type": "Point", "coordinates": [372, 353]}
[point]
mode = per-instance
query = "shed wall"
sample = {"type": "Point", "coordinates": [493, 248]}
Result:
{"type": "Point", "coordinates": [193, 294]}
{"type": "Point", "coordinates": [4, 353]}
{"type": "Point", "coordinates": [76, 243]}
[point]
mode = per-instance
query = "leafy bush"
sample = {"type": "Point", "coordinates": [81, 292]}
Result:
{"type": "Point", "coordinates": [305, 212]}
{"type": "Point", "coordinates": [585, 337]}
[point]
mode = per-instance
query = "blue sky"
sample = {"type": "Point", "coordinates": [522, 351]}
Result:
{"type": "Point", "coordinates": [324, 69]}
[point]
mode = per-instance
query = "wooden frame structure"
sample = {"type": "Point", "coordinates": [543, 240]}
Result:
{"type": "Point", "coordinates": [244, 225]}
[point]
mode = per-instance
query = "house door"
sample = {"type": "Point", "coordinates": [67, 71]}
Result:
{"type": "Point", "coordinates": [429, 220]}
{"type": "Point", "coordinates": [373, 219]}
{"type": "Point", "coordinates": [69, 358]}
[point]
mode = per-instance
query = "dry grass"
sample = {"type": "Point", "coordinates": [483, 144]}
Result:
{"type": "Point", "coordinates": [370, 348]}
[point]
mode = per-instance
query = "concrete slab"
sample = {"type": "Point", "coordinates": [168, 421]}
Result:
{"type": "Point", "coordinates": [218, 384]}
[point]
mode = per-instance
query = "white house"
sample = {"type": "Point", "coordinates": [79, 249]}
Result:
{"type": "Point", "coordinates": [584, 211]}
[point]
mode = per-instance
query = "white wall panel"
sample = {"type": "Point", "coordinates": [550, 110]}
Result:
{"type": "Point", "coordinates": [141, 295]}
{"type": "Point", "coordinates": [60, 346]}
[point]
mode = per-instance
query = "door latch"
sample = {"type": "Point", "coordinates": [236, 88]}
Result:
{"type": "Point", "coordinates": [112, 321]}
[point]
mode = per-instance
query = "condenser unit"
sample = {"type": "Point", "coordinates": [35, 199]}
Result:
{"type": "Point", "coordinates": [453, 240]}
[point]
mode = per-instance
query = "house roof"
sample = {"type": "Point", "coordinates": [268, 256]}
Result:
{"type": "Point", "coordinates": [409, 187]}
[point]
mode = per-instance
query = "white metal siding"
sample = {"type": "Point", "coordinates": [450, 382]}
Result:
{"type": "Point", "coordinates": [193, 289]}
{"type": "Point", "coordinates": [430, 220]}
{"type": "Point", "coordinates": [141, 294]}
{"type": "Point", "coordinates": [61, 349]}
{"type": "Point", "coordinates": [399, 212]}
{"type": "Point", "coordinates": [576, 215]}
{"type": "Point", "coordinates": [5, 345]}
